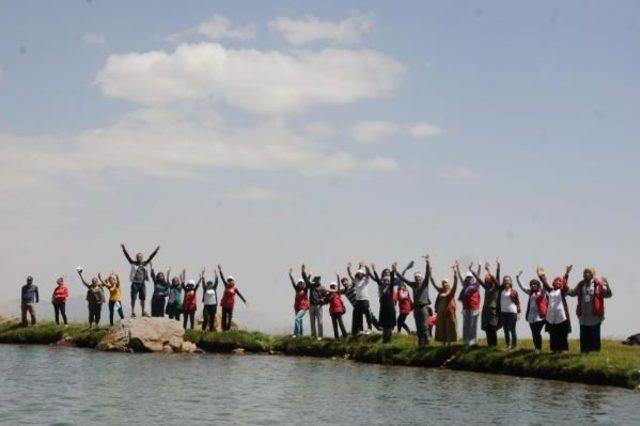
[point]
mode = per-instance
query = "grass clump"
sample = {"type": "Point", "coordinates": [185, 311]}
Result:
{"type": "Point", "coordinates": [230, 340]}
{"type": "Point", "coordinates": [46, 333]}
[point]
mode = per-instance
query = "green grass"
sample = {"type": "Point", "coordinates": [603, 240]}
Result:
{"type": "Point", "coordinates": [615, 365]}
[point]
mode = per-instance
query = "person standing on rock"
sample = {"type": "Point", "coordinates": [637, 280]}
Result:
{"type": "Point", "coordinates": [316, 301]}
{"type": "Point", "coordinates": [591, 292]}
{"type": "Point", "coordinates": [95, 299]}
{"type": "Point", "coordinates": [229, 299]}
{"type": "Point", "coordinates": [174, 301]}
{"type": "Point", "coordinates": [29, 298]}
{"type": "Point", "coordinates": [420, 287]}
{"type": "Point", "coordinates": [190, 303]}
{"type": "Point", "coordinates": [300, 304]}
{"type": "Point", "coordinates": [115, 295]}
{"type": "Point", "coordinates": [160, 291]}
{"type": "Point", "coordinates": [59, 300]}
{"type": "Point", "coordinates": [139, 277]}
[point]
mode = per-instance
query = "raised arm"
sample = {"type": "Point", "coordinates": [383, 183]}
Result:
{"type": "Point", "coordinates": [373, 276]}
{"type": "Point", "coordinates": [86, 284]}
{"type": "Point", "coordinates": [433, 283]}
{"type": "Point", "coordinates": [224, 280]}
{"type": "Point", "coordinates": [455, 280]}
{"type": "Point", "coordinates": [476, 275]}
{"type": "Point", "coordinates": [146, 262]}
{"type": "Point", "coordinates": [543, 278]}
{"type": "Point", "coordinates": [167, 276]}
{"type": "Point", "coordinates": [526, 290]}
{"type": "Point", "coordinates": [305, 277]}
{"type": "Point", "coordinates": [215, 283]}
{"type": "Point", "coordinates": [126, 253]}
{"type": "Point", "coordinates": [498, 270]}
{"type": "Point", "coordinates": [102, 283]}
{"type": "Point", "coordinates": [349, 272]}
{"type": "Point", "coordinates": [607, 288]}
{"type": "Point", "coordinates": [293, 282]}
{"type": "Point", "coordinates": [153, 275]}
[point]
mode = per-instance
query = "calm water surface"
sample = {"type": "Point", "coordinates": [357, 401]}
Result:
{"type": "Point", "coordinates": [46, 385]}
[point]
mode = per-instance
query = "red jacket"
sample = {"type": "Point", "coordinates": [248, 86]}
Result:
{"type": "Point", "coordinates": [60, 293]}
{"type": "Point", "coordinates": [229, 297]}
{"type": "Point", "coordinates": [190, 304]}
{"type": "Point", "coordinates": [471, 298]}
{"type": "Point", "coordinates": [302, 300]}
{"type": "Point", "coordinates": [540, 298]}
{"type": "Point", "coordinates": [405, 305]}
{"type": "Point", "coordinates": [335, 303]}
{"type": "Point", "coordinates": [598, 298]}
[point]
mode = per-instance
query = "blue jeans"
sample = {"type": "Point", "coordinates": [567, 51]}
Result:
{"type": "Point", "coordinates": [470, 326]}
{"type": "Point", "coordinates": [297, 327]}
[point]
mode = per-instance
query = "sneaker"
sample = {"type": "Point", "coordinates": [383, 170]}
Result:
{"type": "Point", "coordinates": [368, 332]}
{"type": "Point", "coordinates": [293, 336]}
{"type": "Point", "coordinates": [319, 338]}
{"type": "Point", "coordinates": [144, 314]}
{"type": "Point", "coordinates": [133, 314]}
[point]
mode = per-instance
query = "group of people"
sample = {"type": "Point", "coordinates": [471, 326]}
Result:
{"type": "Point", "coordinates": [173, 297]}
{"type": "Point", "coordinates": [546, 308]}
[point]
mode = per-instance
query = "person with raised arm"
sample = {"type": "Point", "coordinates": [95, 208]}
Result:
{"type": "Point", "coordinates": [591, 292]}
{"type": "Point", "coordinates": [174, 301]}
{"type": "Point", "coordinates": [536, 309]}
{"type": "Point", "coordinates": [190, 303]}
{"type": "Point", "coordinates": [405, 306]}
{"type": "Point", "coordinates": [362, 307]}
{"type": "Point", "coordinates": [29, 297]}
{"type": "Point", "coordinates": [160, 291]}
{"type": "Point", "coordinates": [420, 287]}
{"type": "Point", "coordinates": [336, 310]}
{"type": "Point", "coordinates": [509, 308]}
{"type": "Point", "coordinates": [210, 303]}
{"type": "Point", "coordinates": [115, 295]}
{"type": "Point", "coordinates": [446, 324]}
{"type": "Point", "coordinates": [95, 299]}
{"type": "Point", "coordinates": [386, 283]}
{"type": "Point", "coordinates": [316, 301]}
{"type": "Point", "coordinates": [470, 299]}
{"type": "Point", "coordinates": [490, 316]}
{"type": "Point", "coordinates": [558, 320]}
{"type": "Point", "coordinates": [229, 299]}
{"type": "Point", "coordinates": [300, 303]}
{"type": "Point", "coordinates": [139, 277]}
{"type": "Point", "coordinates": [59, 300]}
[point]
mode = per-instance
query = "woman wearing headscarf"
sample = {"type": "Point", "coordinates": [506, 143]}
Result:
{"type": "Point", "coordinates": [591, 292]}
{"type": "Point", "coordinates": [536, 309]}
{"type": "Point", "coordinates": [490, 316]}
{"type": "Point", "coordinates": [509, 308]}
{"type": "Point", "coordinates": [300, 304]}
{"type": "Point", "coordinates": [446, 324]}
{"type": "Point", "coordinates": [229, 299]}
{"type": "Point", "coordinates": [421, 301]}
{"type": "Point", "coordinates": [386, 282]}
{"type": "Point", "coordinates": [470, 298]}
{"type": "Point", "coordinates": [558, 321]}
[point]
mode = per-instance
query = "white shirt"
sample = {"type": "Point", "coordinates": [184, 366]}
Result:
{"type": "Point", "coordinates": [555, 312]}
{"type": "Point", "coordinates": [362, 289]}
{"type": "Point", "coordinates": [506, 304]}
{"type": "Point", "coordinates": [210, 297]}
{"type": "Point", "coordinates": [534, 315]}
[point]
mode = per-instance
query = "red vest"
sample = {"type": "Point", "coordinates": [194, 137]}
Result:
{"type": "Point", "coordinates": [302, 301]}
{"type": "Point", "coordinates": [60, 293]}
{"type": "Point", "coordinates": [190, 303]}
{"type": "Point", "coordinates": [229, 297]}
{"type": "Point", "coordinates": [541, 301]}
{"type": "Point", "coordinates": [335, 303]}
{"type": "Point", "coordinates": [598, 298]}
{"type": "Point", "coordinates": [404, 301]}
{"type": "Point", "coordinates": [471, 299]}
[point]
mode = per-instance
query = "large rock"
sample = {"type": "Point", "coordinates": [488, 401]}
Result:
{"type": "Point", "coordinates": [146, 335]}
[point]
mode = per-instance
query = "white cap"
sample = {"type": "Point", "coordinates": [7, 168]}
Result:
{"type": "Point", "coordinates": [361, 271]}
{"type": "Point", "coordinates": [468, 275]}
{"type": "Point", "coordinates": [300, 281]}
{"type": "Point", "coordinates": [230, 278]}
{"type": "Point", "coordinates": [79, 269]}
{"type": "Point", "coordinates": [191, 282]}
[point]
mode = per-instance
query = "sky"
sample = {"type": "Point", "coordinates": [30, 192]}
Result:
{"type": "Point", "coordinates": [263, 135]}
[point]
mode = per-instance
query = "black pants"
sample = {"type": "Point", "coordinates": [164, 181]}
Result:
{"type": "Point", "coordinates": [492, 335]}
{"type": "Point", "coordinates": [387, 332]}
{"type": "Point", "coordinates": [421, 316]}
{"type": "Point", "coordinates": [95, 309]}
{"type": "Point", "coordinates": [227, 315]}
{"type": "Point", "coordinates": [536, 333]}
{"type": "Point", "coordinates": [112, 306]}
{"type": "Point", "coordinates": [509, 320]}
{"type": "Point", "coordinates": [402, 324]}
{"type": "Point", "coordinates": [189, 316]}
{"type": "Point", "coordinates": [59, 309]}
{"type": "Point", "coordinates": [336, 320]}
{"type": "Point", "coordinates": [558, 336]}
{"type": "Point", "coordinates": [158, 305]}
{"type": "Point", "coordinates": [208, 317]}
{"type": "Point", "coordinates": [361, 309]}
{"type": "Point", "coordinates": [173, 311]}
{"type": "Point", "coordinates": [589, 338]}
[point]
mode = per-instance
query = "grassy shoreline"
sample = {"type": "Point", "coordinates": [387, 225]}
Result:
{"type": "Point", "coordinates": [616, 365]}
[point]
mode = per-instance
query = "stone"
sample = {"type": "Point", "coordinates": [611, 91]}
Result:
{"type": "Point", "coordinates": [238, 351]}
{"type": "Point", "coordinates": [143, 335]}
{"type": "Point", "coordinates": [188, 348]}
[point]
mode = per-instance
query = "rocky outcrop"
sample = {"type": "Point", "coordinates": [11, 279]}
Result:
{"type": "Point", "coordinates": [146, 335]}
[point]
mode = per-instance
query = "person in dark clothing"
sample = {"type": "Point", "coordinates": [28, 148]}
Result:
{"type": "Point", "coordinates": [490, 316]}
{"type": "Point", "coordinates": [29, 298]}
{"type": "Point", "coordinates": [209, 303]}
{"type": "Point", "coordinates": [95, 299]}
{"type": "Point", "coordinates": [386, 283]}
{"type": "Point", "coordinates": [316, 300]}
{"type": "Point", "coordinates": [138, 276]}
{"type": "Point", "coordinates": [420, 287]}
{"type": "Point", "coordinates": [160, 292]}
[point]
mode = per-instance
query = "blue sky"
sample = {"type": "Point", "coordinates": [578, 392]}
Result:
{"type": "Point", "coordinates": [462, 129]}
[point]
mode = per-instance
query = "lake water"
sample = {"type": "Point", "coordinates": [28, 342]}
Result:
{"type": "Point", "coordinates": [48, 385]}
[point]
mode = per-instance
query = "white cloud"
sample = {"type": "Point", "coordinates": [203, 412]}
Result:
{"type": "Point", "coordinates": [372, 131]}
{"type": "Point", "coordinates": [310, 29]}
{"type": "Point", "coordinates": [96, 39]}
{"type": "Point", "coordinates": [458, 173]}
{"type": "Point", "coordinates": [216, 28]}
{"type": "Point", "coordinates": [320, 129]}
{"type": "Point", "coordinates": [162, 142]}
{"type": "Point", "coordinates": [265, 82]}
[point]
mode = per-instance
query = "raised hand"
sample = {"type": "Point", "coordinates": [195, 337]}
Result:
{"type": "Point", "coordinates": [290, 271]}
{"type": "Point", "coordinates": [519, 274]}
{"type": "Point", "coordinates": [539, 270]}
{"type": "Point", "coordinates": [498, 261]}
{"type": "Point", "coordinates": [471, 266]}
{"type": "Point", "coordinates": [569, 268]}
